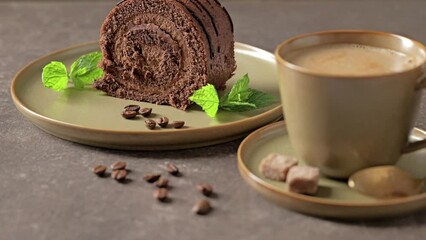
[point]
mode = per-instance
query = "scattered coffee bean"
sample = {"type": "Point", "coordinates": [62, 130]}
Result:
{"type": "Point", "coordinates": [162, 182]}
{"type": "Point", "coordinates": [163, 122]}
{"type": "Point", "coordinates": [100, 170]}
{"type": "Point", "coordinates": [119, 175]}
{"type": "Point", "coordinates": [202, 207]}
{"type": "Point", "coordinates": [145, 112]}
{"type": "Point", "coordinates": [132, 108]}
{"type": "Point", "coordinates": [205, 189]}
{"type": "Point", "coordinates": [119, 165]}
{"type": "Point", "coordinates": [150, 124]}
{"type": "Point", "coordinates": [178, 124]}
{"type": "Point", "coordinates": [161, 194]}
{"type": "Point", "coordinates": [129, 114]}
{"type": "Point", "coordinates": [172, 169]}
{"type": "Point", "coordinates": [152, 177]}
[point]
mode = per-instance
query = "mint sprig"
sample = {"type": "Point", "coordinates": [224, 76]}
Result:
{"type": "Point", "coordinates": [55, 76]}
{"type": "Point", "coordinates": [240, 92]}
{"type": "Point", "coordinates": [241, 98]}
{"type": "Point", "coordinates": [83, 71]}
{"type": "Point", "coordinates": [207, 98]}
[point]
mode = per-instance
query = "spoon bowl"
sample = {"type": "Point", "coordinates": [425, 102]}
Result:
{"type": "Point", "coordinates": [385, 182]}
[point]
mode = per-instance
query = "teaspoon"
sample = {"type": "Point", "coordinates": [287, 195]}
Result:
{"type": "Point", "coordinates": [385, 182]}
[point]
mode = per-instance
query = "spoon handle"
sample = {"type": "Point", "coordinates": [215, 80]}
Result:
{"type": "Point", "coordinates": [414, 146]}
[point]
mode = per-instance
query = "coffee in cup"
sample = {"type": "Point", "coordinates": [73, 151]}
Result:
{"type": "Point", "coordinates": [351, 59]}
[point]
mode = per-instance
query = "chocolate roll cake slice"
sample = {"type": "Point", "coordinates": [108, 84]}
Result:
{"type": "Point", "coordinates": [160, 51]}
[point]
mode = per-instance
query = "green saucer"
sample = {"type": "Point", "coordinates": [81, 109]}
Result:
{"type": "Point", "coordinates": [334, 198]}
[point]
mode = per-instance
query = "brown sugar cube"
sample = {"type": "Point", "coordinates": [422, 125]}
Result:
{"type": "Point", "coordinates": [303, 179]}
{"type": "Point", "coordinates": [275, 166]}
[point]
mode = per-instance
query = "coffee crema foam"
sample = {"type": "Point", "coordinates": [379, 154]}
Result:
{"type": "Point", "coordinates": [351, 59]}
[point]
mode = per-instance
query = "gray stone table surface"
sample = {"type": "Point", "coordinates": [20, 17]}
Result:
{"type": "Point", "coordinates": [48, 192]}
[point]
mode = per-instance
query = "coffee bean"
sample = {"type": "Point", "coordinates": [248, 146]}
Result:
{"type": "Point", "coordinates": [99, 170]}
{"type": "Point", "coordinates": [119, 175]}
{"type": "Point", "coordinates": [118, 165]}
{"type": "Point", "coordinates": [132, 108]}
{"type": "Point", "coordinates": [202, 207]}
{"type": "Point", "coordinates": [205, 189]}
{"type": "Point", "coordinates": [178, 124]}
{"type": "Point", "coordinates": [162, 182]}
{"type": "Point", "coordinates": [145, 112]}
{"type": "Point", "coordinates": [152, 177]}
{"type": "Point", "coordinates": [160, 194]}
{"type": "Point", "coordinates": [129, 114]}
{"type": "Point", "coordinates": [163, 122]}
{"type": "Point", "coordinates": [172, 169]}
{"type": "Point", "coordinates": [150, 124]}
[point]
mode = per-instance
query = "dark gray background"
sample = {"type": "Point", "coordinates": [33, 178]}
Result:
{"type": "Point", "coordinates": [48, 192]}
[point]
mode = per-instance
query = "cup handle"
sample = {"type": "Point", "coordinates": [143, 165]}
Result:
{"type": "Point", "coordinates": [421, 82]}
{"type": "Point", "coordinates": [414, 146]}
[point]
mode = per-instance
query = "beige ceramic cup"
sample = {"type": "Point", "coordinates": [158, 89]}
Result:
{"type": "Point", "coordinates": [342, 124]}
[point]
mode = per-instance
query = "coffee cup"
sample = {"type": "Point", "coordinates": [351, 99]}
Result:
{"type": "Point", "coordinates": [350, 97]}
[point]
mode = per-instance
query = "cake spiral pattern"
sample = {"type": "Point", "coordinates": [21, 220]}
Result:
{"type": "Point", "coordinates": [161, 51]}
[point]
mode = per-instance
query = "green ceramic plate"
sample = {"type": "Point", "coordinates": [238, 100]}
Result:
{"type": "Point", "coordinates": [90, 117]}
{"type": "Point", "coordinates": [334, 198]}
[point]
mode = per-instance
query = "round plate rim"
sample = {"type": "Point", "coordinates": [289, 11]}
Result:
{"type": "Point", "coordinates": [272, 113]}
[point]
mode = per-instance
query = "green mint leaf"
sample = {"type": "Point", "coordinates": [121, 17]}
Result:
{"type": "Point", "coordinates": [240, 92]}
{"type": "Point", "coordinates": [238, 106]}
{"type": "Point", "coordinates": [55, 76]}
{"type": "Point", "coordinates": [261, 99]}
{"type": "Point", "coordinates": [256, 99]}
{"type": "Point", "coordinates": [85, 69]}
{"type": "Point", "coordinates": [207, 98]}
{"type": "Point", "coordinates": [241, 98]}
